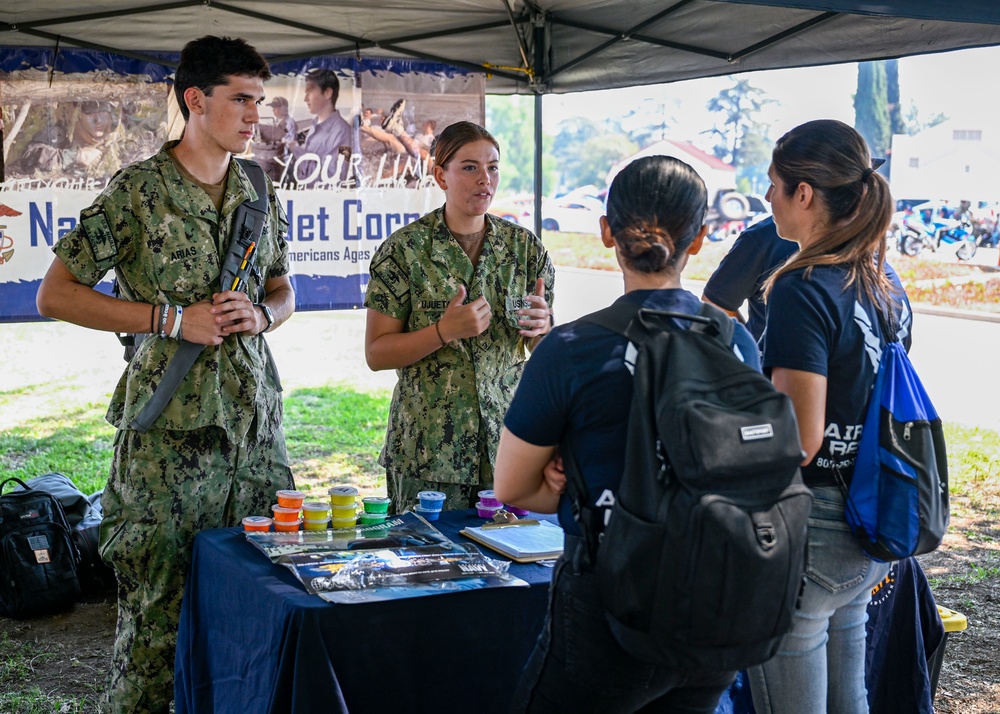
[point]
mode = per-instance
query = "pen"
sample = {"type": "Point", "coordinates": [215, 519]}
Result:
{"type": "Point", "coordinates": [243, 265]}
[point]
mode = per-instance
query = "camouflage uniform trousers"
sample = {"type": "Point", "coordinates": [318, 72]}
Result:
{"type": "Point", "coordinates": [165, 487]}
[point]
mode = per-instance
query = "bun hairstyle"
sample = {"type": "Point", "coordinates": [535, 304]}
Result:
{"type": "Point", "coordinates": [457, 135]}
{"type": "Point", "coordinates": [656, 208]}
{"type": "Point", "coordinates": [834, 160]}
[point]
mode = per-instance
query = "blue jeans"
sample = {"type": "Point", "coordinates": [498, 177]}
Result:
{"type": "Point", "coordinates": [578, 666]}
{"type": "Point", "coordinates": [820, 666]}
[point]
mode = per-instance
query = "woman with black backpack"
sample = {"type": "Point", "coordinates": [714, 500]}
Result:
{"type": "Point", "coordinates": [576, 390]}
{"type": "Point", "coordinates": [821, 346]}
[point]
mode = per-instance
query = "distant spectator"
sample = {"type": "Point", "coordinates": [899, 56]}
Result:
{"type": "Point", "coordinates": [741, 275]}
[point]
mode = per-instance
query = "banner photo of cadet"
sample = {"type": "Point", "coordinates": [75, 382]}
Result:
{"type": "Point", "coordinates": [343, 190]}
{"type": "Point", "coordinates": [77, 132]}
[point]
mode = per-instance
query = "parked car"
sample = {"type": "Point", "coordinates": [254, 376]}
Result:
{"type": "Point", "coordinates": [578, 211]}
{"type": "Point", "coordinates": [516, 209]}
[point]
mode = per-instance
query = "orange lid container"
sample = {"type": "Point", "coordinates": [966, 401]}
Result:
{"type": "Point", "coordinates": [290, 499]}
{"type": "Point", "coordinates": [283, 514]}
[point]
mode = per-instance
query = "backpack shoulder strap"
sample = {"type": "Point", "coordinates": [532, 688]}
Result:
{"type": "Point", "coordinates": [620, 317]}
{"type": "Point", "coordinates": [721, 326]}
{"type": "Point", "coordinates": [255, 173]}
{"type": "Point", "coordinates": [616, 317]}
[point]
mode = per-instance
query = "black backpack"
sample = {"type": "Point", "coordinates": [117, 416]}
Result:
{"type": "Point", "coordinates": [38, 560]}
{"type": "Point", "coordinates": [702, 559]}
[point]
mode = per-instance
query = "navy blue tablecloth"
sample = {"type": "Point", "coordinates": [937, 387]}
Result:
{"type": "Point", "coordinates": [251, 639]}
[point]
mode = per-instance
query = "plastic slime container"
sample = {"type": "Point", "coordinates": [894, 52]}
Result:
{"type": "Point", "coordinates": [311, 525]}
{"type": "Point", "coordinates": [316, 510]}
{"type": "Point", "coordinates": [256, 523]}
{"type": "Point", "coordinates": [488, 499]}
{"type": "Point", "coordinates": [340, 523]}
{"type": "Point", "coordinates": [342, 495]}
{"type": "Point", "coordinates": [282, 514]}
{"type": "Point", "coordinates": [290, 499]}
{"type": "Point", "coordinates": [346, 511]}
{"type": "Point", "coordinates": [427, 514]}
{"type": "Point", "coordinates": [517, 511]}
{"type": "Point", "coordinates": [375, 504]}
{"type": "Point", "coordinates": [431, 500]}
{"type": "Point", "coordinates": [370, 519]}
{"type": "Point", "coordinates": [486, 511]}
{"type": "Point", "coordinates": [287, 526]}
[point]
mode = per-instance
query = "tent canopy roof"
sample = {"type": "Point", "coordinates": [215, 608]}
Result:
{"type": "Point", "coordinates": [527, 47]}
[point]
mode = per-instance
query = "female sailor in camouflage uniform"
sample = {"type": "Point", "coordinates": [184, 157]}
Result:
{"type": "Point", "coordinates": [455, 300]}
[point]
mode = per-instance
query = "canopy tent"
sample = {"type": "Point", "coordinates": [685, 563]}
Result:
{"type": "Point", "coordinates": [534, 47]}
{"type": "Point", "coordinates": [528, 47]}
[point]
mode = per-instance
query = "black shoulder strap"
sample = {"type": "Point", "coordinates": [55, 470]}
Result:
{"type": "Point", "coordinates": [634, 321]}
{"type": "Point", "coordinates": [255, 173]}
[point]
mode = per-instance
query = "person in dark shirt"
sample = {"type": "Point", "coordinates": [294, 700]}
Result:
{"type": "Point", "coordinates": [742, 274]}
{"type": "Point", "coordinates": [822, 346]}
{"type": "Point", "coordinates": [576, 389]}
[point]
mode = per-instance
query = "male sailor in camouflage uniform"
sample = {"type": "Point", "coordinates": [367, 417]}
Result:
{"type": "Point", "coordinates": [217, 452]}
{"type": "Point", "coordinates": [457, 263]}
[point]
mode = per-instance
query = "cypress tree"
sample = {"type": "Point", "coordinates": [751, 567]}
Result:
{"type": "Point", "coordinates": [871, 107]}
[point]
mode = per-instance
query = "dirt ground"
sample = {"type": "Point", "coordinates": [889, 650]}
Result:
{"type": "Point", "coordinates": [964, 577]}
{"type": "Point", "coordinates": [72, 650]}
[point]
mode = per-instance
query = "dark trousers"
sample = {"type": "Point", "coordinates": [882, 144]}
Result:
{"type": "Point", "coordinates": [578, 665]}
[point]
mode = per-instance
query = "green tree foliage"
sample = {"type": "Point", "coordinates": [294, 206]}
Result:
{"type": "Point", "coordinates": [896, 123]}
{"type": "Point", "coordinates": [741, 138]}
{"type": "Point", "coordinates": [871, 107]}
{"type": "Point", "coordinates": [651, 119]}
{"type": "Point", "coordinates": [600, 153]}
{"type": "Point", "coordinates": [511, 120]}
{"type": "Point", "coordinates": [586, 150]}
{"type": "Point", "coordinates": [756, 157]}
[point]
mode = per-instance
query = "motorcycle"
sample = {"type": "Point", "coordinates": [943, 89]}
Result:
{"type": "Point", "coordinates": [922, 231]}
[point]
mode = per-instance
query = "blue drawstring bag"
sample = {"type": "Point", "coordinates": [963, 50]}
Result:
{"type": "Point", "coordinates": [897, 502]}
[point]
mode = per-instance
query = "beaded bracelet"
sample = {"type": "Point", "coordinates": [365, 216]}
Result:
{"type": "Point", "coordinates": [164, 313]}
{"type": "Point", "coordinates": [175, 331]}
{"type": "Point", "coordinates": [437, 328]}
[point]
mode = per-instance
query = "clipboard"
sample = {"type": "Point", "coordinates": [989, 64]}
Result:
{"type": "Point", "coordinates": [523, 541]}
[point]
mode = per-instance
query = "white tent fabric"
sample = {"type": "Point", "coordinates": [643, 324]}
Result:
{"type": "Point", "coordinates": [527, 47]}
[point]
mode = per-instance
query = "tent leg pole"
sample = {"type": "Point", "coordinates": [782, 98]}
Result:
{"type": "Point", "coordinates": [538, 165]}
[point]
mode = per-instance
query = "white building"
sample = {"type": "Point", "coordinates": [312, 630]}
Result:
{"type": "Point", "coordinates": [953, 161]}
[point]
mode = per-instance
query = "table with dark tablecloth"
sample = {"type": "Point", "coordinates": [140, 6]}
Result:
{"type": "Point", "coordinates": [251, 639]}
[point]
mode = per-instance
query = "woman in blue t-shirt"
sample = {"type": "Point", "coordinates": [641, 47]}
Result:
{"type": "Point", "coordinates": [576, 390]}
{"type": "Point", "coordinates": [821, 346]}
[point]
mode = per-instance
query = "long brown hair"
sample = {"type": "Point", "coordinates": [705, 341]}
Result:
{"type": "Point", "coordinates": [834, 160]}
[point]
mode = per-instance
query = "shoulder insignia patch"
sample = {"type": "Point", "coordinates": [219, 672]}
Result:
{"type": "Point", "coordinates": [98, 231]}
{"type": "Point", "coordinates": [390, 274]}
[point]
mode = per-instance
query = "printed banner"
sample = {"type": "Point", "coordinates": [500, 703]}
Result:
{"type": "Point", "coordinates": [348, 144]}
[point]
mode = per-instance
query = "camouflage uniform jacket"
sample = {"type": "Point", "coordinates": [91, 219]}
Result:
{"type": "Point", "coordinates": [447, 408]}
{"type": "Point", "coordinates": [167, 240]}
